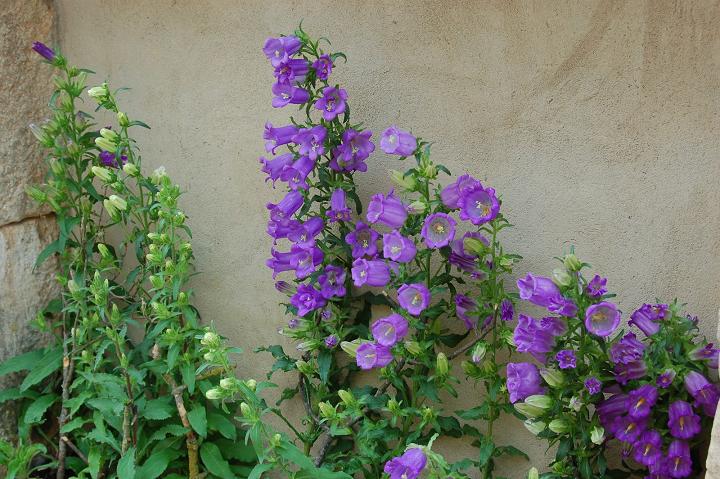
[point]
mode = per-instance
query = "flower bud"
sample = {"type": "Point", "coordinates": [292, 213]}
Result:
{"type": "Point", "coordinates": [109, 135]}
{"type": "Point", "coordinates": [118, 202]}
{"type": "Point", "coordinates": [559, 426]}
{"type": "Point", "coordinates": [213, 394]}
{"type": "Point", "coordinates": [561, 277]}
{"type": "Point", "coordinates": [427, 414]}
{"type": "Point", "coordinates": [417, 207]}
{"type": "Point", "coordinates": [441, 364]}
{"type": "Point", "coordinates": [539, 400]}
{"type": "Point", "coordinates": [326, 410]}
{"type": "Point", "coordinates": [183, 298]}
{"type": "Point", "coordinates": [535, 427]}
{"type": "Point", "coordinates": [98, 93]}
{"type": "Point", "coordinates": [393, 406]}
{"type": "Point", "coordinates": [478, 352]}
{"type": "Point", "coordinates": [37, 194]}
{"type": "Point", "coordinates": [41, 134]}
{"type": "Point", "coordinates": [276, 440]}
{"type": "Point", "coordinates": [227, 383]}
{"type": "Point", "coordinates": [245, 409]}
{"type": "Point", "coordinates": [346, 397]}
{"type": "Point", "coordinates": [57, 167]}
{"type": "Point", "coordinates": [413, 347]}
{"type": "Point", "coordinates": [404, 183]}
{"type": "Point", "coordinates": [158, 174]}
{"type": "Point", "coordinates": [350, 347]}
{"type": "Point", "coordinates": [251, 384]}
{"type": "Point", "coordinates": [104, 251]}
{"type": "Point", "coordinates": [597, 435]}
{"type": "Point", "coordinates": [72, 286]}
{"type": "Point", "coordinates": [105, 144]}
{"type": "Point", "coordinates": [304, 367]}
{"type": "Point", "coordinates": [474, 246]}
{"type": "Point", "coordinates": [533, 473]}
{"type": "Point", "coordinates": [572, 263]}
{"type": "Point", "coordinates": [553, 377]}
{"type": "Point", "coordinates": [575, 403]}
{"type": "Point", "coordinates": [130, 169]}
{"type": "Point", "coordinates": [210, 339]}
{"type": "Point", "coordinates": [123, 119]}
{"type": "Point", "coordinates": [102, 173]}
{"type": "Point", "coordinates": [528, 410]}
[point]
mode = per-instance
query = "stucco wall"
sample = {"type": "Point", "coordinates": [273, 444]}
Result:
{"type": "Point", "coordinates": [597, 120]}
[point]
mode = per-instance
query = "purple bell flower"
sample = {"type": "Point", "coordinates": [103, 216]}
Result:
{"type": "Point", "coordinates": [562, 306]}
{"type": "Point", "coordinates": [292, 70]}
{"type": "Point", "coordinates": [645, 320]}
{"type": "Point", "coordinates": [372, 355]}
{"type": "Point", "coordinates": [666, 378]}
{"type": "Point", "coordinates": [395, 141]}
{"type": "Point", "coordinates": [311, 141]}
{"type": "Point", "coordinates": [438, 230]}
{"type": "Point", "coordinates": [414, 298]}
{"type": "Point", "coordinates": [389, 330]}
{"type": "Point", "coordinates": [593, 385]}
{"type": "Point", "coordinates": [465, 307]}
{"type": "Point", "coordinates": [625, 373]}
{"type": "Point", "coordinates": [538, 290]}
{"type": "Point", "coordinates": [44, 51]}
{"type": "Point", "coordinates": [602, 319]}
{"type": "Point", "coordinates": [370, 272]}
{"type": "Point", "coordinates": [706, 394]}
{"type": "Point", "coordinates": [627, 350]}
{"type": "Point", "coordinates": [398, 248]}
{"type": "Point", "coordinates": [534, 337]}
{"type": "Point", "coordinates": [108, 159]}
{"type": "Point", "coordinates": [286, 94]}
{"type": "Point", "coordinates": [523, 380]}
{"type": "Point", "coordinates": [596, 287]}
{"type": "Point", "coordinates": [451, 194]}
{"type": "Point", "coordinates": [339, 210]}
{"type": "Point", "coordinates": [278, 136]}
{"type": "Point", "coordinates": [566, 359]}
{"type": "Point", "coordinates": [611, 408]}
{"type": "Point", "coordinates": [507, 311]}
{"type": "Point", "coordinates": [287, 207]}
{"type": "Point", "coordinates": [707, 353]}
{"type": "Point", "coordinates": [408, 466]}
{"type": "Point", "coordinates": [323, 67]}
{"type": "Point", "coordinates": [296, 174]}
{"type": "Point", "coordinates": [280, 49]}
{"type": "Point", "coordinates": [679, 460]}
{"type": "Point", "coordinates": [462, 259]}
{"type": "Point", "coordinates": [363, 241]}
{"type": "Point", "coordinates": [387, 210]}
{"type": "Point", "coordinates": [352, 152]}
{"type": "Point", "coordinates": [332, 102]}
{"type": "Point", "coordinates": [627, 429]}
{"type": "Point", "coordinates": [331, 341]}
{"type": "Point", "coordinates": [275, 167]}
{"type": "Point", "coordinates": [332, 282]}
{"type": "Point", "coordinates": [303, 234]}
{"type": "Point", "coordinates": [307, 299]}
{"type": "Point", "coordinates": [682, 420]}
{"type": "Point", "coordinates": [648, 449]}
{"type": "Point", "coordinates": [641, 401]}
{"type": "Point", "coordinates": [479, 205]}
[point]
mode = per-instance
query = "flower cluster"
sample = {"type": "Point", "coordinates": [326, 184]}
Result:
{"type": "Point", "coordinates": [651, 394]}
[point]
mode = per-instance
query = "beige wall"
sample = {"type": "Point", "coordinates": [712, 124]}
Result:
{"type": "Point", "coordinates": [598, 122]}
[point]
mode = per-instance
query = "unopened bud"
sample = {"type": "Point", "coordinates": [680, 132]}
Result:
{"type": "Point", "coordinates": [413, 347]}
{"type": "Point", "coordinates": [553, 377]}
{"type": "Point", "coordinates": [572, 263]}
{"type": "Point", "coordinates": [304, 367]}
{"type": "Point", "coordinates": [528, 410]}
{"type": "Point", "coordinates": [417, 207]}
{"type": "Point", "coordinates": [99, 92]}
{"type": "Point", "coordinates": [102, 173]}
{"type": "Point", "coordinates": [130, 169]}
{"type": "Point", "coordinates": [474, 246]}
{"type": "Point", "coordinates": [441, 364]}
{"type": "Point", "coordinates": [533, 473]}
{"type": "Point", "coordinates": [350, 347]}
{"type": "Point", "coordinates": [118, 202]}
{"type": "Point", "coordinates": [575, 404]}
{"type": "Point", "coordinates": [105, 144]}
{"type": "Point", "coordinates": [405, 183]}
{"type": "Point", "coordinates": [561, 277]}
{"type": "Point", "coordinates": [346, 397]}
{"type": "Point", "coordinates": [535, 427]}
{"type": "Point", "coordinates": [326, 410]}
{"type": "Point", "coordinates": [539, 400]}
{"type": "Point", "coordinates": [227, 383]}
{"type": "Point", "coordinates": [251, 384]}
{"type": "Point", "coordinates": [597, 435]}
{"type": "Point", "coordinates": [104, 251]}
{"type": "Point", "coordinates": [210, 339]}
{"type": "Point", "coordinates": [110, 135]}
{"type": "Point", "coordinates": [122, 119]}
{"type": "Point", "coordinates": [245, 409]}
{"type": "Point", "coordinates": [478, 352]}
{"type": "Point", "coordinates": [559, 426]}
{"type": "Point", "coordinates": [213, 394]}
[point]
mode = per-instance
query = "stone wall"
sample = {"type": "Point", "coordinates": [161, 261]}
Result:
{"type": "Point", "coordinates": [25, 229]}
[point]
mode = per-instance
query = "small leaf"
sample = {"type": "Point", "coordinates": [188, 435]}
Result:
{"type": "Point", "coordinates": [198, 420]}
{"type": "Point", "coordinates": [188, 374]}
{"type": "Point", "coordinates": [126, 465]}
{"type": "Point", "coordinates": [222, 424]}
{"type": "Point", "coordinates": [155, 464]}
{"type": "Point", "coordinates": [258, 470]}
{"type": "Point", "coordinates": [158, 409]}
{"type": "Point", "coordinates": [94, 458]}
{"type": "Point", "coordinates": [49, 363]}
{"type": "Point", "coordinates": [36, 410]}
{"type": "Point", "coordinates": [324, 364]}
{"type": "Point", "coordinates": [213, 460]}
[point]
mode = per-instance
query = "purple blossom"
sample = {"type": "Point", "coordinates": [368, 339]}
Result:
{"type": "Point", "coordinates": [555, 326]}
{"type": "Point", "coordinates": [287, 207]}
{"type": "Point", "coordinates": [286, 94]}
{"type": "Point", "coordinates": [438, 230]}
{"type": "Point", "coordinates": [389, 330]}
{"type": "Point", "coordinates": [682, 420]}
{"type": "Point", "coordinates": [311, 141]}
{"type": "Point", "coordinates": [602, 319]}
{"type": "Point", "coordinates": [641, 401]}
{"type": "Point", "coordinates": [645, 319]}
{"type": "Point", "coordinates": [323, 67]}
{"type": "Point", "coordinates": [303, 261]}
{"type": "Point", "coordinates": [451, 194]}
{"type": "Point", "coordinates": [407, 466]}
{"type": "Point", "coordinates": [294, 175]}
{"type": "Point", "coordinates": [708, 352]}
{"type": "Point", "coordinates": [627, 372]}
{"type": "Point", "coordinates": [44, 51]}
{"type": "Point", "coordinates": [538, 290]}
{"type": "Point", "coordinates": [566, 359]}
{"type": "Point", "coordinates": [331, 341]}
{"type": "Point", "coordinates": [307, 299]}
{"type": "Point", "coordinates": [479, 205]}
{"type": "Point", "coordinates": [679, 461]}
{"type": "Point", "coordinates": [275, 167]}
{"type": "Point", "coordinates": [523, 380]}
{"type": "Point", "coordinates": [363, 241]}
{"type": "Point", "coordinates": [285, 287]}
{"type": "Point", "coordinates": [293, 323]}
{"type": "Point", "coordinates": [706, 395]}
{"type": "Point", "coordinates": [507, 311]}
{"type": "Point", "coordinates": [292, 70]}
{"type": "Point", "coordinates": [332, 281]}
{"type": "Point", "coordinates": [280, 49]}
{"type": "Point", "coordinates": [332, 102]}
{"type": "Point", "coordinates": [666, 378]}
{"type": "Point", "coordinates": [352, 152]}
{"type": "Point", "coordinates": [627, 429]}
{"type": "Point", "coordinates": [531, 336]}
{"type": "Point", "coordinates": [596, 287]}
{"type": "Point", "coordinates": [372, 355]}
{"type": "Point", "coordinates": [562, 306]}
{"type": "Point", "coordinates": [108, 159]}
{"type": "Point", "coordinates": [387, 210]}
{"type": "Point", "coordinates": [303, 234]}
{"type": "Point", "coordinates": [611, 408]}
{"type": "Point", "coordinates": [593, 385]}
{"type": "Point", "coordinates": [277, 136]}
{"type": "Point", "coordinates": [462, 259]}
{"type": "Point", "coordinates": [398, 248]}
{"type": "Point", "coordinates": [627, 350]}
{"type": "Point", "coordinates": [370, 272]}
{"type": "Point", "coordinates": [339, 210]}
{"type": "Point", "coordinates": [648, 449]}
{"type": "Point", "coordinates": [466, 307]}
{"type": "Point", "coordinates": [414, 298]}
{"type": "Point", "coordinates": [395, 141]}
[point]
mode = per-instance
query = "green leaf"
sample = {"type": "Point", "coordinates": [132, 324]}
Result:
{"type": "Point", "coordinates": [188, 374]}
{"type": "Point", "coordinates": [158, 409]}
{"type": "Point", "coordinates": [218, 422]}
{"type": "Point", "coordinates": [21, 362]}
{"type": "Point", "coordinates": [13, 394]}
{"type": "Point", "coordinates": [324, 364]}
{"type": "Point", "coordinates": [126, 465]}
{"type": "Point", "coordinates": [198, 419]}
{"type": "Point", "coordinates": [563, 449]}
{"type": "Point", "coordinates": [54, 247]}
{"type": "Point", "coordinates": [74, 424]}
{"type": "Point", "coordinates": [258, 470]}
{"type": "Point", "coordinates": [169, 430]}
{"type": "Point", "coordinates": [155, 464]}
{"type": "Point", "coordinates": [510, 451]}
{"type": "Point", "coordinates": [474, 413]}
{"type": "Point", "coordinates": [486, 450]}
{"type": "Point", "coordinates": [138, 123]}
{"type": "Point", "coordinates": [49, 363]}
{"type": "Point", "coordinates": [214, 462]}
{"type": "Point", "coordinates": [36, 410]}
{"type": "Point", "coordinates": [94, 458]}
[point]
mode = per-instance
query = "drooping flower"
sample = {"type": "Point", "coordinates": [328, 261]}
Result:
{"type": "Point", "coordinates": [363, 241]}
{"type": "Point", "coordinates": [465, 307]}
{"type": "Point", "coordinates": [108, 159]}
{"type": "Point", "coordinates": [645, 320]}
{"type": "Point", "coordinates": [534, 337]}
{"type": "Point", "coordinates": [292, 70]}
{"type": "Point", "coordinates": [332, 281]}
{"type": "Point", "coordinates": [566, 359]}
{"type": "Point", "coordinates": [707, 353]}
{"type": "Point", "coordinates": [627, 429]}
{"type": "Point", "coordinates": [538, 290]}
{"type": "Point", "coordinates": [562, 306]}
{"type": "Point", "coordinates": [332, 102]}
{"type": "Point", "coordinates": [278, 136]}
{"type": "Point", "coordinates": [287, 207]}
{"type": "Point", "coordinates": [407, 466]}
{"type": "Point", "coordinates": [414, 298]}
{"type": "Point", "coordinates": [462, 258]}
{"type": "Point", "coordinates": [296, 174]}
{"type": "Point", "coordinates": [627, 372]}
{"type": "Point", "coordinates": [339, 210]}
{"type": "Point", "coordinates": [302, 260]}
{"type": "Point", "coordinates": [706, 395]}
{"type": "Point", "coordinates": [303, 234]}
{"type": "Point", "coordinates": [280, 49]}
{"type": "Point", "coordinates": [372, 355]}
{"type": "Point", "coordinates": [44, 51]}
{"type": "Point", "coordinates": [596, 287]}
{"type": "Point", "coordinates": [641, 401]}
{"type": "Point", "coordinates": [370, 272]}
{"type": "Point", "coordinates": [331, 341]}
{"type": "Point", "coordinates": [648, 449]}
{"type": "Point", "coordinates": [395, 141]}
{"type": "Point", "coordinates": [275, 167]}
{"type": "Point", "coordinates": [666, 378]}
{"type": "Point", "coordinates": [307, 299]}
{"type": "Point", "coordinates": [479, 205]}
{"type": "Point", "coordinates": [387, 210]}
{"type": "Point", "coordinates": [398, 248]}
{"type": "Point", "coordinates": [323, 67]}
{"type": "Point", "coordinates": [679, 460]}
{"type": "Point", "coordinates": [523, 380]}
{"type": "Point", "coordinates": [438, 230]}
{"type": "Point", "coordinates": [602, 319]}
{"type": "Point", "coordinates": [611, 408]}
{"type": "Point", "coordinates": [451, 194]}
{"type": "Point", "coordinates": [627, 350]}
{"type": "Point", "coordinates": [507, 311]}
{"type": "Point", "coordinates": [353, 151]}
{"type": "Point", "coordinates": [285, 287]}
{"type": "Point", "coordinates": [389, 330]}
{"type": "Point", "coordinates": [311, 141]}
{"type": "Point", "coordinates": [593, 385]}
{"type": "Point", "coordinates": [682, 420]}
{"type": "Point", "coordinates": [286, 94]}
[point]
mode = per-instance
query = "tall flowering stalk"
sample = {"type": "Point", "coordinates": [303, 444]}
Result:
{"type": "Point", "coordinates": [646, 389]}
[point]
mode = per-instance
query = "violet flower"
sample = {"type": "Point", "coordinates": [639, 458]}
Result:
{"type": "Point", "coordinates": [451, 194]}
{"type": "Point", "coordinates": [666, 378]}
{"type": "Point", "coordinates": [387, 210]}
{"type": "Point", "coordinates": [323, 67]}
{"type": "Point", "coordinates": [465, 307]}
{"type": "Point", "coordinates": [645, 320]}
{"type": "Point", "coordinates": [706, 395]}
{"type": "Point", "coordinates": [534, 337]}
{"type": "Point", "coordinates": [627, 372]}
{"type": "Point", "coordinates": [627, 350]}
{"type": "Point", "coordinates": [679, 461]}
{"type": "Point", "coordinates": [611, 408]}
{"type": "Point", "coordinates": [363, 241]}
{"type": "Point", "coordinates": [507, 311]}
{"type": "Point", "coordinates": [286, 94]}
{"type": "Point", "coordinates": [296, 174]}
{"type": "Point", "coordinates": [108, 159]}
{"type": "Point", "coordinates": [464, 260]}
{"type": "Point", "coordinates": [332, 102]}
{"type": "Point", "coordinates": [566, 359]}
{"type": "Point", "coordinates": [275, 167]}
{"type": "Point", "coordinates": [596, 287]}
{"type": "Point", "coordinates": [311, 141]}
{"type": "Point", "coordinates": [331, 341]}
{"type": "Point", "coordinates": [292, 70]}
{"type": "Point", "coordinates": [332, 281]}
{"type": "Point", "coordinates": [602, 319]}
{"type": "Point", "coordinates": [277, 136]}
{"type": "Point", "coordinates": [414, 298]}
{"type": "Point", "coordinates": [523, 380]}
{"type": "Point", "coordinates": [389, 330]}
{"type": "Point", "coordinates": [641, 401]}
{"type": "Point", "coordinates": [280, 49]}
{"type": "Point", "coordinates": [395, 141]}
{"type": "Point", "coordinates": [370, 272]}
{"type": "Point", "coordinates": [682, 420]}
{"type": "Point", "coordinates": [398, 248]}
{"type": "Point", "coordinates": [287, 207]}
{"type": "Point", "coordinates": [303, 234]}
{"type": "Point", "coordinates": [307, 299]}
{"type": "Point", "coordinates": [648, 449]}
{"type": "Point", "coordinates": [593, 385]}
{"type": "Point", "coordinates": [372, 355]}
{"type": "Point", "coordinates": [352, 152]}
{"type": "Point", "coordinates": [408, 466]}
{"type": "Point", "coordinates": [538, 290]}
{"type": "Point", "coordinates": [479, 205]}
{"type": "Point", "coordinates": [562, 306]}
{"type": "Point", "coordinates": [438, 230]}
{"type": "Point", "coordinates": [708, 352]}
{"type": "Point", "coordinates": [44, 51]}
{"type": "Point", "coordinates": [339, 210]}
{"type": "Point", "coordinates": [627, 429]}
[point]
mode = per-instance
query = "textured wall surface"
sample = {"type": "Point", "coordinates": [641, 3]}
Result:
{"type": "Point", "coordinates": [596, 120]}
{"type": "Point", "coordinates": [25, 229]}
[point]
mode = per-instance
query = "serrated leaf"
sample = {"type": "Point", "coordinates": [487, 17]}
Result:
{"type": "Point", "coordinates": [222, 424]}
{"type": "Point", "coordinates": [73, 424]}
{"type": "Point", "coordinates": [214, 462]}
{"type": "Point", "coordinates": [155, 465]}
{"type": "Point", "coordinates": [198, 420]}
{"type": "Point", "coordinates": [158, 409]}
{"type": "Point", "coordinates": [45, 366]}
{"type": "Point", "coordinates": [94, 457]}
{"type": "Point", "coordinates": [126, 465]}
{"type": "Point", "coordinates": [169, 430]}
{"type": "Point", "coordinates": [188, 374]}
{"type": "Point", "coordinates": [21, 362]}
{"type": "Point", "coordinates": [36, 410]}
